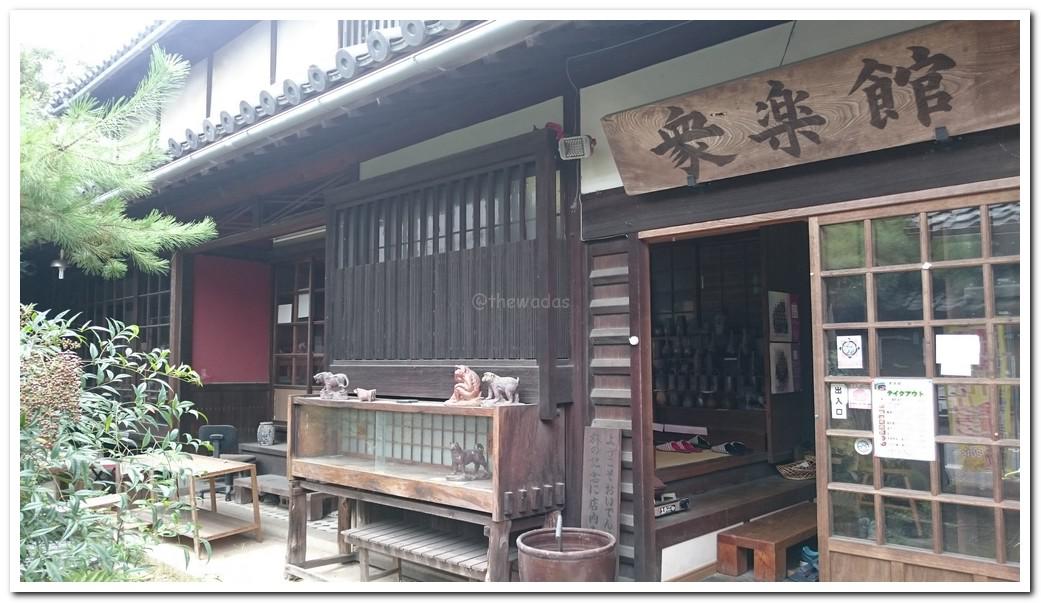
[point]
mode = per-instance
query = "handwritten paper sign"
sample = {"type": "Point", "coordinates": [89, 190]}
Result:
{"type": "Point", "coordinates": [839, 400]}
{"type": "Point", "coordinates": [902, 414]}
{"type": "Point", "coordinates": [959, 75]}
{"type": "Point", "coordinates": [601, 479]}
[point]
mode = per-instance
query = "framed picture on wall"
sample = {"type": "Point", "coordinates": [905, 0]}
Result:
{"type": "Point", "coordinates": [780, 317]}
{"type": "Point", "coordinates": [782, 377]}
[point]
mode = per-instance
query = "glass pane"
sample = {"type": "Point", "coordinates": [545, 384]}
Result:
{"type": "Point", "coordinates": [283, 371]}
{"type": "Point", "coordinates": [1012, 536]}
{"type": "Point", "coordinates": [302, 277]}
{"type": "Point", "coordinates": [319, 274]}
{"type": "Point", "coordinates": [1008, 351]}
{"type": "Point", "coordinates": [954, 234]}
{"type": "Point", "coordinates": [964, 410]}
{"type": "Point", "coordinates": [842, 246]}
{"type": "Point", "coordinates": [844, 299]}
{"type": "Point", "coordinates": [857, 417]}
{"type": "Point", "coordinates": [300, 370]}
{"type": "Point", "coordinates": [958, 293]}
{"type": "Point", "coordinates": [283, 340]}
{"type": "Point", "coordinates": [896, 240]}
{"type": "Point", "coordinates": [968, 530]}
{"type": "Point", "coordinates": [300, 339]}
{"type": "Point", "coordinates": [968, 469]}
{"type": "Point", "coordinates": [1006, 289]}
{"type": "Point", "coordinates": [848, 465]}
{"type": "Point", "coordinates": [982, 369]}
{"type": "Point", "coordinates": [1008, 411]}
{"type": "Point", "coordinates": [1010, 472]}
{"type": "Point", "coordinates": [318, 339]}
{"type": "Point", "coordinates": [853, 515]}
{"type": "Point", "coordinates": [908, 522]}
{"type": "Point", "coordinates": [906, 474]}
{"type": "Point", "coordinates": [318, 306]}
{"type": "Point", "coordinates": [850, 355]}
{"type": "Point", "coordinates": [898, 296]}
{"type": "Point", "coordinates": [901, 353]}
{"type": "Point", "coordinates": [1004, 229]}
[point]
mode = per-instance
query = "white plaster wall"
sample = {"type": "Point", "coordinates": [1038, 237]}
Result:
{"type": "Point", "coordinates": [485, 132]}
{"type": "Point", "coordinates": [759, 51]}
{"type": "Point", "coordinates": [690, 555]}
{"type": "Point", "coordinates": [187, 108]}
{"type": "Point", "coordinates": [241, 69]}
{"type": "Point", "coordinates": [302, 44]}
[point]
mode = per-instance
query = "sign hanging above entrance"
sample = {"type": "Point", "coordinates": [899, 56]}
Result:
{"type": "Point", "coordinates": [942, 80]}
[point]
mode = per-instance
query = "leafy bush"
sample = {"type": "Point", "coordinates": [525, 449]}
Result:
{"type": "Point", "coordinates": [81, 416]}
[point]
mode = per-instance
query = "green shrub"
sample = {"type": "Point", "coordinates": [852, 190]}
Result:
{"type": "Point", "coordinates": [81, 415]}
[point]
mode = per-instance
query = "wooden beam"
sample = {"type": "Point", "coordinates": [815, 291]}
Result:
{"type": "Point", "coordinates": [546, 276]}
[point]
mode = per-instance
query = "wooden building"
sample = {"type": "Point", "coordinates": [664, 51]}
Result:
{"type": "Point", "coordinates": [777, 220]}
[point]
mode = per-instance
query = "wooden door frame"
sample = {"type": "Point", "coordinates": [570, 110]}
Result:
{"type": "Point", "coordinates": [976, 194]}
{"type": "Point", "coordinates": [640, 280]}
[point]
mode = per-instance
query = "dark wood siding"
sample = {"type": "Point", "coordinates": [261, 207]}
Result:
{"type": "Point", "coordinates": [448, 263]}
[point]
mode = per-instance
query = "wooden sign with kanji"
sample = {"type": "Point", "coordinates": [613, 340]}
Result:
{"type": "Point", "coordinates": [601, 479]}
{"type": "Point", "coordinates": [942, 80]}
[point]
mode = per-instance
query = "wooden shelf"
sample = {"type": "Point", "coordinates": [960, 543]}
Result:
{"type": "Point", "coordinates": [214, 525]}
{"type": "Point", "coordinates": [398, 479]}
{"type": "Point", "coordinates": [437, 408]}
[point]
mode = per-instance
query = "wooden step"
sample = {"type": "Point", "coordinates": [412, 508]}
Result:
{"type": "Point", "coordinates": [610, 366]}
{"type": "Point", "coordinates": [724, 507]}
{"type": "Point", "coordinates": [610, 397]}
{"type": "Point", "coordinates": [609, 305]}
{"type": "Point", "coordinates": [609, 335]}
{"type": "Point", "coordinates": [609, 276]}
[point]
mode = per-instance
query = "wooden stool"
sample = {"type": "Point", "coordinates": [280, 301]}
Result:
{"type": "Point", "coordinates": [769, 538]}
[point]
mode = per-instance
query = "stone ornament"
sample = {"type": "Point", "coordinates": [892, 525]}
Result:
{"type": "Point", "coordinates": [467, 388]}
{"type": "Point", "coordinates": [334, 385]}
{"type": "Point", "coordinates": [471, 456]}
{"type": "Point", "coordinates": [501, 390]}
{"type": "Point", "coordinates": [365, 395]}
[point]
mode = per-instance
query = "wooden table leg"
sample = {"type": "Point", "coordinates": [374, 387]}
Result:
{"type": "Point", "coordinates": [499, 552]}
{"type": "Point", "coordinates": [771, 563]}
{"type": "Point", "coordinates": [213, 494]}
{"type": "Point", "coordinates": [730, 560]}
{"type": "Point", "coordinates": [296, 541]}
{"type": "Point", "coordinates": [256, 502]}
{"type": "Point", "coordinates": [363, 563]}
{"type": "Point", "coordinates": [195, 515]}
{"type": "Point", "coordinates": [343, 522]}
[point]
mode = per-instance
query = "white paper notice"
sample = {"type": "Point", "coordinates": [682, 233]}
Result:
{"type": "Point", "coordinates": [303, 305]}
{"type": "Point", "coordinates": [902, 415]}
{"type": "Point", "coordinates": [839, 400]}
{"type": "Point", "coordinates": [850, 351]}
{"type": "Point", "coordinates": [860, 396]}
{"type": "Point", "coordinates": [956, 354]}
{"type": "Point", "coordinates": [285, 313]}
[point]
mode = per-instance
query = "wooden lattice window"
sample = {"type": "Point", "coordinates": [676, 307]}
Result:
{"type": "Point", "coordinates": [299, 337]}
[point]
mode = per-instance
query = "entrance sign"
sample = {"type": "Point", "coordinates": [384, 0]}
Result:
{"type": "Point", "coordinates": [946, 79]}
{"type": "Point", "coordinates": [839, 400]}
{"type": "Point", "coordinates": [902, 413]}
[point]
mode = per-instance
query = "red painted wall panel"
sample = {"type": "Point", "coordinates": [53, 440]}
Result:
{"type": "Point", "coordinates": [231, 322]}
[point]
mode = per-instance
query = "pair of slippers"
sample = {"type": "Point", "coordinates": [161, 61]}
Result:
{"type": "Point", "coordinates": [734, 447]}
{"type": "Point", "coordinates": [694, 444]}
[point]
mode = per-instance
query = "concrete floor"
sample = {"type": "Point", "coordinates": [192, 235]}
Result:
{"type": "Point", "coordinates": [241, 559]}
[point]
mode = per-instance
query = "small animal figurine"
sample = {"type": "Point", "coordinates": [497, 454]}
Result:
{"type": "Point", "coordinates": [475, 456]}
{"type": "Point", "coordinates": [334, 385]}
{"type": "Point", "coordinates": [365, 395]}
{"type": "Point", "coordinates": [501, 390]}
{"type": "Point", "coordinates": [467, 388]}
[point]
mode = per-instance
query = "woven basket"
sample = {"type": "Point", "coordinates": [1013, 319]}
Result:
{"type": "Point", "coordinates": [799, 470]}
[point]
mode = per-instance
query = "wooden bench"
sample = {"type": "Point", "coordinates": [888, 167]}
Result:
{"type": "Point", "coordinates": [279, 486]}
{"type": "Point", "coordinates": [769, 538]}
{"type": "Point", "coordinates": [465, 556]}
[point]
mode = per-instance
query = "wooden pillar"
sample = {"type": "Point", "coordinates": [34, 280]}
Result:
{"type": "Point", "coordinates": [643, 441]}
{"type": "Point", "coordinates": [343, 522]}
{"type": "Point", "coordinates": [546, 276]}
{"type": "Point", "coordinates": [296, 541]}
{"type": "Point", "coordinates": [499, 551]}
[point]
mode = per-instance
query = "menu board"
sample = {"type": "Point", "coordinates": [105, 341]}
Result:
{"type": "Point", "coordinates": [902, 414]}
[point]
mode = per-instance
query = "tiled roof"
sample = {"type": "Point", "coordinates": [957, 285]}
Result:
{"type": "Point", "coordinates": [382, 46]}
{"type": "Point", "coordinates": [78, 83]}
